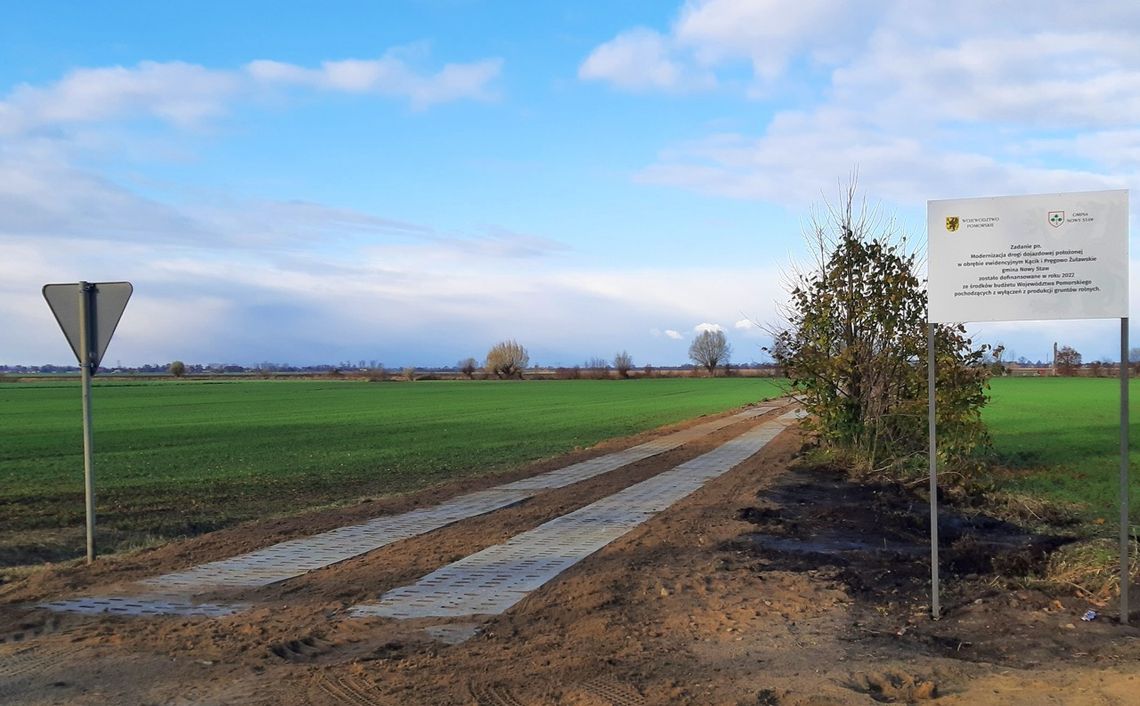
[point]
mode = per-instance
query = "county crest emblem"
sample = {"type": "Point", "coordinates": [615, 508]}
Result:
{"type": "Point", "coordinates": [952, 223]}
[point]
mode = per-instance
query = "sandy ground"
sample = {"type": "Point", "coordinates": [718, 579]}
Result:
{"type": "Point", "coordinates": [770, 586]}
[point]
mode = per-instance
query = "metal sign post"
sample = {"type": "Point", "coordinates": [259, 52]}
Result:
{"type": "Point", "coordinates": [1125, 572]}
{"type": "Point", "coordinates": [935, 610]}
{"type": "Point", "coordinates": [88, 314]}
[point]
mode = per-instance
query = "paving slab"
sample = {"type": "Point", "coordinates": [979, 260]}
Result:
{"type": "Point", "coordinates": [492, 581]}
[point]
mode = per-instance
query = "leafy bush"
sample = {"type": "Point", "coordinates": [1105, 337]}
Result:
{"type": "Point", "coordinates": [855, 348]}
{"type": "Point", "coordinates": [1068, 361]}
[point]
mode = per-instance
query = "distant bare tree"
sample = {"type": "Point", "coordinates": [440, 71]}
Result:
{"type": "Point", "coordinates": [506, 359]}
{"type": "Point", "coordinates": [710, 349]}
{"type": "Point", "coordinates": [468, 366]}
{"type": "Point", "coordinates": [1068, 361]}
{"type": "Point", "coordinates": [623, 363]}
{"type": "Point", "coordinates": [178, 368]}
{"type": "Point", "coordinates": [597, 368]}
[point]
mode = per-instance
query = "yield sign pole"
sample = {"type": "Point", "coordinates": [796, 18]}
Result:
{"type": "Point", "coordinates": [88, 313]}
{"type": "Point", "coordinates": [86, 339]}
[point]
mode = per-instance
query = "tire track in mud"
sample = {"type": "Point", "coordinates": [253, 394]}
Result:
{"type": "Point", "coordinates": [492, 695]}
{"type": "Point", "coordinates": [348, 689]}
{"type": "Point", "coordinates": [20, 666]}
{"type": "Point", "coordinates": [246, 692]}
{"type": "Point", "coordinates": [36, 626]}
{"type": "Point", "coordinates": [305, 649]}
{"type": "Point", "coordinates": [613, 692]}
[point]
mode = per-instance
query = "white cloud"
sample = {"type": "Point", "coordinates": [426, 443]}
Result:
{"type": "Point", "coordinates": [702, 328]}
{"type": "Point", "coordinates": [925, 112]}
{"type": "Point", "coordinates": [175, 92]}
{"type": "Point", "coordinates": [962, 57]}
{"type": "Point", "coordinates": [926, 99]}
{"type": "Point", "coordinates": [745, 325]}
{"type": "Point", "coordinates": [769, 33]}
{"type": "Point", "coordinates": [1115, 149]}
{"type": "Point", "coordinates": [899, 167]}
{"type": "Point", "coordinates": [389, 75]}
{"type": "Point", "coordinates": [708, 35]}
{"type": "Point", "coordinates": [184, 94]}
{"type": "Point", "coordinates": [260, 281]}
{"type": "Point", "coordinates": [641, 59]}
{"type": "Point", "coordinates": [1049, 78]}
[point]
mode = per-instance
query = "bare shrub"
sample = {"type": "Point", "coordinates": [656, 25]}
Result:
{"type": "Point", "coordinates": [710, 349]}
{"type": "Point", "coordinates": [468, 366]}
{"type": "Point", "coordinates": [597, 368]}
{"type": "Point", "coordinates": [623, 363]}
{"type": "Point", "coordinates": [506, 359]}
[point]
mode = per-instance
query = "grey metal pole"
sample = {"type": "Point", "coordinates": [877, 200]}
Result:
{"type": "Point", "coordinates": [935, 610]}
{"type": "Point", "coordinates": [1125, 574]}
{"type": "Point", "coordinates": [86, 341]}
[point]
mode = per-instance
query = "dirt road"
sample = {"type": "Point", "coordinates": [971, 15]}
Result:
{"type": "Point", "coordinates": [767, 586]}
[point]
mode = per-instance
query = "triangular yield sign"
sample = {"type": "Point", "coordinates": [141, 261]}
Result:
{"type": "Point", "coordinates": [108, 300]}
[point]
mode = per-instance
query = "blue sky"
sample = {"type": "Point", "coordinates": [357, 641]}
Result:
{"type": "Point", "coordinates": [411, 182]}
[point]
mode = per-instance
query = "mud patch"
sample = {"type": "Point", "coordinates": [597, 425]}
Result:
{"type": "Point", "coordinates": [895, 687]}
{"type": "Point", "coordinates": [873, 541]}
{"type": "Point", "coordinates": [874, 537]}
{"type": "Point", "coordinates": [306, 649]}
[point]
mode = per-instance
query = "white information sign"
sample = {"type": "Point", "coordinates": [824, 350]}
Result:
{"type": "Point", "coordinates": [1017, 258]}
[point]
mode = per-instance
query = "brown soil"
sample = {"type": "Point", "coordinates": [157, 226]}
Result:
{"type": "Point", "coordinates": [769, 586]}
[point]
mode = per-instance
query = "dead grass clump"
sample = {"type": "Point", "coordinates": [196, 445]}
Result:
{"type": "Point", "coordinates": [1032, 510]}
{"type": "Point", "coordinates": [1091, 568]}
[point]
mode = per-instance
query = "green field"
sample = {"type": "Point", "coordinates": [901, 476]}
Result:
{"type": "Point", "coordinates": [184, 457]}
{"type": "Point", "coordinates": [1063, 434]}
